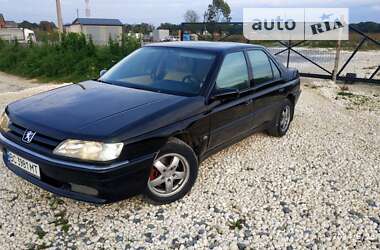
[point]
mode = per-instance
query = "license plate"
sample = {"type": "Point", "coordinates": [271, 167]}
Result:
{"type": "Point", "coordinates": [28, 166]}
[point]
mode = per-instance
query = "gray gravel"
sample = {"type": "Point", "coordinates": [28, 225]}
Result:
{"type": "Point", "coordinates": [11, 83]}
{"type": "Point", "coordinates": [317, 187]}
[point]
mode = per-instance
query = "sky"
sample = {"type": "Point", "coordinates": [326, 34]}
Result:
{"type": "Point", "coordinates": [159, 11]}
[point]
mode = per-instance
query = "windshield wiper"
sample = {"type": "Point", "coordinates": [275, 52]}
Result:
{"type": "Point", "coordinates": [102, 81]}
{"type": "Point", "coordinates": [80, 85]}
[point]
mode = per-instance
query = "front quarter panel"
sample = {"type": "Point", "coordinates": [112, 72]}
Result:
{"type": "Point", "coordinates": [194, 131]}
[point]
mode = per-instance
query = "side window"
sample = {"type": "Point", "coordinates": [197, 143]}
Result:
{"type": "Point", "coordinates": [261, 68]}
{"type": "Point", "coordinates": [233, 72]}
{"type": "Point", "coordinates": [276, 71]}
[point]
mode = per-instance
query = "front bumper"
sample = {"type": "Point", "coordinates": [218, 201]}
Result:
{"type": "Point", "coordinates": [106, 183]}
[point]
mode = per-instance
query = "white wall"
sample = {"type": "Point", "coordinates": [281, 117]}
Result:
{"type": "Point", "coordinates": [76, 28]}
{"type": "Point", "coordinates": [160, 35]}
{"type": "Point", "coordinates": [10, 34]}
{"type": "Point", "coordinates": [101, 34]}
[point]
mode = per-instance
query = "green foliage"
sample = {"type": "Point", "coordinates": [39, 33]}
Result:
{"type": "Point", "coordinates": [74, 58]}
{"type": "Point", "coordinates": [144, 28]}
{"type": "Point", "coordinates": [218, 11]}
{"type": "Point", "coordinates": [173, 28]}
{"type": "Point", "coordinates": [237, 224]}
{"type": "Point", "coordinates": [43, 36]}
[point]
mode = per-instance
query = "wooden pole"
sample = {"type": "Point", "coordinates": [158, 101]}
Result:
{"type": "Point", "coordinates": [337, 58]}
{"type": "Point", "coordinates": [337, 54]}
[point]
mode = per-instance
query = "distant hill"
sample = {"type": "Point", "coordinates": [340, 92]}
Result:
{"type": "Point", "coordinates": [367, 27]}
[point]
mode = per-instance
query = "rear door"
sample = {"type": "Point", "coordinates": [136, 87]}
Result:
{"type": "Point", "coordinates": [231, 117]}
{"type": "Point", "coordinates": [266, 81]}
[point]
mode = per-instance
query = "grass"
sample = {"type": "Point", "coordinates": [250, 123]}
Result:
{"type": "Point", "coordinates": [62, 221]}
{"type": "Point", "coordinates": [40, 232]}
{"type": "Point", "coordinates": [74, 58]}
{"type": "Point", "coordinates": [355, 99]}
{"type": "Point", "coordinates": [60, 217]}
{"type": "Point", "coordinates": [344, 93]}
{"type": "Point", "coordinates": [238, 224]}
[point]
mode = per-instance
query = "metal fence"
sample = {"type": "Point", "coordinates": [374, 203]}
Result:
{"type": "Point", "coordinates": [359, 58]}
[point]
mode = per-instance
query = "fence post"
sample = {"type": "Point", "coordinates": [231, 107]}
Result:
{"type": "Point", "coordinates": [337, 58]}
{"type": "Point", "coordinates": [289, 47]}
{"type": "Point", "coordinates": [337, 54]}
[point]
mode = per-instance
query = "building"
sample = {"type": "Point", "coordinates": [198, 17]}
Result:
{"type": "Point", "coordinates": [100, 30]}
{"type": "Point", "coordinates": [160, 35]}
{"type": "Point", "coordinates": [10, 24]}
{"type": "Point", "coordinates": [7, 24]}
{"type": "Point", "coordinates": [2, 21]}
{"type": "Point", "coordinates": [19, 34]}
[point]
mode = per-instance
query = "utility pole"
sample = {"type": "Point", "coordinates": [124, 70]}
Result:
{"type": "Point", "coordinates": [59, 16]}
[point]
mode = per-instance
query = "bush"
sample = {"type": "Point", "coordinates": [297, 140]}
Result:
{"type": "Point", "coordinates": [74, 58]}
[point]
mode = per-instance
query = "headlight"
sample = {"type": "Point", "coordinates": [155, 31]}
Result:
{"type": "Point", "coordinates": [4, 122]}
{"type": "Point", "coordinates": [89, 150]}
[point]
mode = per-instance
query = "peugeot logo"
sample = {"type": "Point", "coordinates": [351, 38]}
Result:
{"type": "Point", "coordinates": [28, 136]}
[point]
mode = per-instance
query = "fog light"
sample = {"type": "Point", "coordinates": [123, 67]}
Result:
{"type": "Point", "coordinates": [83, 189]}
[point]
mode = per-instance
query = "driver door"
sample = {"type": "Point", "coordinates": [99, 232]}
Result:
{"type": "Point", "coordinates": [231, 117]}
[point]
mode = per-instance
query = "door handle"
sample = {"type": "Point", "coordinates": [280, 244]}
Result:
{"type": "Point", "coordinates": [281, 90]}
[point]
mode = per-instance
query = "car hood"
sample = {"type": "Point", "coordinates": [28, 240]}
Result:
{"type": "Point", "coordinates": [93, 110]}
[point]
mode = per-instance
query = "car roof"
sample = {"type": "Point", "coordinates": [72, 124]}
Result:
{"type": "Point", "coordinates": [219, 47]}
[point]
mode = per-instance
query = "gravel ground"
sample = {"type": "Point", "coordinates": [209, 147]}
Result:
{"type": "Point", "coordinates": [317, 187]}
{"type": "Point", "coordinates": [10, 83]}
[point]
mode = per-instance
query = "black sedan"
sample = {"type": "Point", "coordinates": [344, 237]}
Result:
{"type": "Point", "coordinates": [146, 124]}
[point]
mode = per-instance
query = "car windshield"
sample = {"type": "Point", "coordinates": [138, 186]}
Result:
{"type": "Point", "coordinates": [162, 69]}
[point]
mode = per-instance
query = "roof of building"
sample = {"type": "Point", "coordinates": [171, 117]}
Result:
{"type": "Point", "coordinates": [98, 21]}
{"type": "Point", "coordinates": [203, 45]}
{"type": "Point", "coordinates": [11, 24]}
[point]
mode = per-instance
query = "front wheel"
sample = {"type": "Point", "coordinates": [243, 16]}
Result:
{"type": "Point", "coordinates": [283, 119]}
{"type": "Point", "coordinates": [173, 173]}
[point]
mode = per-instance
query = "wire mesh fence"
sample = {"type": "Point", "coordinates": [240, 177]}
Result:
{"type": "Point", "coordinates": [321, 56]}
{"type": "Point", "coordinates": [359, 57]}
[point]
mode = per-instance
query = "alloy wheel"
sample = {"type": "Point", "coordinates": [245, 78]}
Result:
{"type": "Point", "coordinates": [169, 174]}
{"type": "Point", "coordinates": [285, 118]}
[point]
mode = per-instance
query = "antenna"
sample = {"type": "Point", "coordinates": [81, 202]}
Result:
{"type": "Point", "coordinates": [88, 10]}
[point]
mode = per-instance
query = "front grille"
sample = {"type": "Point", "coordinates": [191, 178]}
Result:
{"type": "Point", "coordinates": [40, 142]}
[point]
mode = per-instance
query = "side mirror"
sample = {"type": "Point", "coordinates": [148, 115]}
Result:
{"type": "Point", "coordinates": [225, 94]}
{"type": "Point", "coordinates": [102, 72]}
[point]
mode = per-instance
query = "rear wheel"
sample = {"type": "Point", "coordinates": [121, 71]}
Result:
{"type": "Point", "coordinates": [283, 119]}
{"type": "Point", "coordinates": [173, 173]}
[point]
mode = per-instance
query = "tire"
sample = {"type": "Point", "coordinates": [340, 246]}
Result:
{"type": "Point", "coordinates": [282, 121]}
{"type": "Point", "coordinates": [175, 168]}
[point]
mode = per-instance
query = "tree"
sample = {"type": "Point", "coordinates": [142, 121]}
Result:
{"type": "Point", "coordinates": [218, 11]}
{"type": "Point", "coordinates": [173, 28]}
{"type": "Point", "coordinates": [47, 26]}
{"type": "Point", "coordinates": [191, 16]}
{"type": "Point", "coordinates": [143, 28]}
